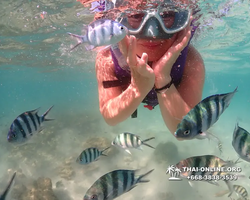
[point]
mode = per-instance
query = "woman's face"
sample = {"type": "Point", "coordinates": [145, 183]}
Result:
{"type": "Point", "coordinates": [155, 48]}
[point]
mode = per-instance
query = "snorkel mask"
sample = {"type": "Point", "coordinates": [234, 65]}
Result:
{"type": "Point", "coordinates": [159, 20]}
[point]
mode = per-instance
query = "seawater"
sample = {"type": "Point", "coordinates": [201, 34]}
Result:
{"type": "Point", "coordinates": [37, 70]}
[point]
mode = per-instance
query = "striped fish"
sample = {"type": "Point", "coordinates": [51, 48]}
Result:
{"type": "Point", "coordinates": [203, 115]}
{"type": "Point", "coordinates": [114, 184]}
{"type": "Point", "coordinates": [240, 190]}
{"type": "Point", "coordinates": [206, 161]}
{"type": "Point", "coordinates": [129, 140]}
{"type": "Point", "coordinates": [7, 190]}
{"type": "Point", "coordinates": [102, 32]}
{"type": "Point", "coordinates": [241, 142]}
{"type": "Point", "coordinates": [25, 125]}
{"type": "Point", "coordinates": [89, 155]}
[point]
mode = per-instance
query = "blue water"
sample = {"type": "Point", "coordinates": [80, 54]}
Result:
{"type": "Point", "coordinates": [37, 70]}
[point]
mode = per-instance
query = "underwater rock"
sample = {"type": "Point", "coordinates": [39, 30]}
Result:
{"type": "Point", "coordinates": [59, 184]}
{"type": "Point", "coordinates": [17, 190]}
{"type": "Point", "coordinates": [41, 190]}
{"type": "Point", "coordinates": [166, 152]}
{"type": "Point", "coordinates": [66, 171]}
{"type": "Point", "coordinates": [43, 183]}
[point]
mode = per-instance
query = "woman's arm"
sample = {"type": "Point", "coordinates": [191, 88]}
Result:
{"type": "Point", "coordinates": [177, 102]}
{"type": "Point", "coordinates": [115, 104]}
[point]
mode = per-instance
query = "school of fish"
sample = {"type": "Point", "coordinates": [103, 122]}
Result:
{"type": "Point", "coordinates": [195, 124]}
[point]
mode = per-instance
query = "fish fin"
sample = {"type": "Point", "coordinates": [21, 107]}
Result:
{"type": "Point", "coordinates": [212, 136]}
{"type": "Point", "coordinates": [34, 111]}
{"type": "Point", "coordinates": [41, 129]}
{"type": "Point", "coordinates": [89, 47]}
{"type": "Point", "coordinates": [148, 145]}
{"type": "Point", "coordinates": [191, 184]}
{"type": "Point", "coordinates": [231, 163]}
{"type": "Point", "coordinates": [221, 193]}
{"type": "Point", "coordinates": [44, 115]}
{"type": "Point", "coordinates": [213, 183]}
{"type": "Point", "coordinates": [132, 188]}
{"type": "Point", "coordinates": [230, 187]}
{"type": "Point", "coordinates": [128, 151]}
{"type": "Point", "coordinates": [99, 49]}
{"type": "Point", "coordinates": [6, 191]}
{"type": "Point", "coordinates": [75, 46]}
{"type": "Point", "coordinates": [201, 136]}
{"type": "Point", "coordinates": [139, 180]}
{"type": "Point", "coordinates": [104, 150]}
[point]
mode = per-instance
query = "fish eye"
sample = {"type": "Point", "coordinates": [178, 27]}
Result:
{"type": "Point", "coordinates": [93, 196]}
{"type": "Point", "coordinates": [122, 28]}
{"type": "Point", "coordinates": [186, 132]}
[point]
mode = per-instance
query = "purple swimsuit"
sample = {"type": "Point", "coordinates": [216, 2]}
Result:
{"type": "Point", "coordinates": [151, 100]}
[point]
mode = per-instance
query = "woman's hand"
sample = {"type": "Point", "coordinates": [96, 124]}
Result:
{"type": "Point", "coordinates": [162, 68]}
{"type": "Point", "coordinates": [141, 73]}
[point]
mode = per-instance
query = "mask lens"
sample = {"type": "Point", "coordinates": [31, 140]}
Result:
{"type": "Point", "coordinates": [168, 18]}
{"type": "Point", "coordinates": [135, 19]}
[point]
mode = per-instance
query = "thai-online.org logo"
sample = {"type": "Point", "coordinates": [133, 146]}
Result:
{"type": "Point", "coordinates": [174, 173]}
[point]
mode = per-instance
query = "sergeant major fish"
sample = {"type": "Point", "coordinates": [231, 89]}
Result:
{"type": "Point", "coordinates": [102, 32]}
{"type": "Point", "coordinates": [114, 184]}
{"type": "Point", "coordinates": [205, 161]}
{"type": "Point", "coordinates": [25, 125]}
{"type": "Point", "coordinates": [89, 155]}
{"type": "Point", "coordinates": [129, 140]}
{"type": "Point", "coordinates": [203, 115]}
{"type": "Point", "coordinates": [241, 142]}
{"type": "Point", "coordinates": [7, 190]}
{"type": "Point", "coordinates": [240, 191]}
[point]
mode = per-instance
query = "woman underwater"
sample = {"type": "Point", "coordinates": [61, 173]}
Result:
{"type": "Point", "coordinates": [164, 68]}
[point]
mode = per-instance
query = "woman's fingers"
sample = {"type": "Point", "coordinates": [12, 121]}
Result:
{"type": "Point", "coordinates": [132, 58]}
{"type": "Point", "coordinates": [182, 40]}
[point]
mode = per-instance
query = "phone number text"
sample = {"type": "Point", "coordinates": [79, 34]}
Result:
{"type": "Point", "coordinates": [228, 177]}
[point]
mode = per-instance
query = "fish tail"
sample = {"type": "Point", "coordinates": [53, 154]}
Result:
{"type": "Point", "coordinates": [104, 150]}
{"type": "Point", "coordinates": [6, 191]}
{"type": "Point", "coordinates": [148, 145]}
{"type": "Point", "coordinates": [81, 37]}
{"type": "Point", "coordinates": [229, 96]}
{"type": "Point", "coordinates": [44, 115]}
{"type": "Point", "coordinates": [235, 129]}
{"type": "Point", "coordinates": [148, 139]}
{"type": "Point", "coordinates": [144, 142]}
{"type": "Point", "coordinates": [139, 180]}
